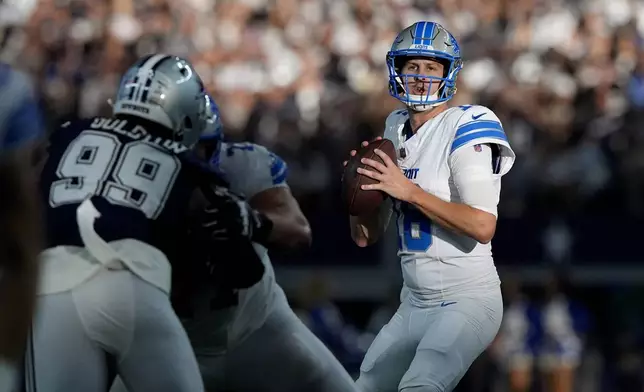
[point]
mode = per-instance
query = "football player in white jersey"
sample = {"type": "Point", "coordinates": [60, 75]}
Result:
{"type": "Point", "coordinates": [252, 340]}
{"type": "Point", "coordinates": [268, 347]}
{"type": "Point", "coordinates": [445, 190]}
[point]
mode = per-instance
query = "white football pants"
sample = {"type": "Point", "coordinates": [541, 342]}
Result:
{"type": "Point", "coordinates": [430, 348]}
{"type": "Point", "coordinates": [113, 318]}
{"type": "Point", "coordinates": [283, 355]}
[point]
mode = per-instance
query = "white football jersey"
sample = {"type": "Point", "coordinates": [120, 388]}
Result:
{"type": "Point", "coordinates": [436, 261]}
{"type": "Point", "coordinates": [250, 169]}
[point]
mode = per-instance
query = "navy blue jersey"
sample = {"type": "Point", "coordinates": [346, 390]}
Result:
{"type": "Point", "coordinates": [139, 179]}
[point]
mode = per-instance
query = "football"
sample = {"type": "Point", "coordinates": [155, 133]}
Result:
{"type": "Point", "coordinates": [358, 201]}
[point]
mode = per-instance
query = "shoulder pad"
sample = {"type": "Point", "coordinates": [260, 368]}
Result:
{"type": "Point", "coordinates": [394, 125]}
{"type": "Point", "coordinates": [251, 168]}
{"type": "Point", "coordinates": [478, 124]}
{"type": "Point", "coordinates": [397, 117]}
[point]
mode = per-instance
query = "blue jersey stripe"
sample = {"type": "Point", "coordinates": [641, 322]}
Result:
{"type": "Point", "coordinates": [279, 170]}
{"type": "Point", "coordinates": [477, 125]}
{"type": "Point", "coordinates": [489, 134]}
{"type": "Point", "coordinates": [281, 178]}
{"type": "Point", "coordinates": [276, 164]}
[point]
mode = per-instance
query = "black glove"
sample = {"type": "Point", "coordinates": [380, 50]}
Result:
{"type": "Point", "coordinates": [228, 216]}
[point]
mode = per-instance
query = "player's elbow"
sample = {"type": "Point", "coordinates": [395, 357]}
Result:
{"type": "Point", "coordinates": [485, 227]}
{"type": "Point", "coordinates": [485, 235]}
{"type": "Point", "coordinates": [294, 233]}
{"type": "Point", "coordinates": [302, 236]}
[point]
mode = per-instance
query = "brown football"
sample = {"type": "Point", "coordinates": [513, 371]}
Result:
{"type": "Point", "coordinates": [358, 201]}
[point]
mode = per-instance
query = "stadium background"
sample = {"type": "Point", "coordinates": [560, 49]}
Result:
{"type": "Point", "coordinates": [307, 79]}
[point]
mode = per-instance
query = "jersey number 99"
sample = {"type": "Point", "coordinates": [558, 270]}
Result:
{"type": "Point", "coordinates": [136, 174]}
{"type": "Point", "coordinates": [414, 229]}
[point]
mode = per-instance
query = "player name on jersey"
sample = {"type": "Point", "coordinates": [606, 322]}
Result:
{"type": "Point", "coordinates": [138, 132]}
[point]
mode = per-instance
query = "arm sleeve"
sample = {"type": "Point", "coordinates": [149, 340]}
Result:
{"type": "Point", "coordinates": [474, 178]}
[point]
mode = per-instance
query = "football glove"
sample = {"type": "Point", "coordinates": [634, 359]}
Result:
{"type": "Point", "coordinates": [228, 216]}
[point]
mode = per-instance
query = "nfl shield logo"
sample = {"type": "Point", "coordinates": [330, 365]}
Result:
{"type": "Point", "coordinates": [477, 148]}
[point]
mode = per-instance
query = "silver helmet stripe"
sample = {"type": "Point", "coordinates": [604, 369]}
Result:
{"type": "Point", "coordinates": [146, 72]}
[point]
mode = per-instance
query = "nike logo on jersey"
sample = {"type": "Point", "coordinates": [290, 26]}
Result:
{"type": "Point", "coordinates": [477, 116]}
{"type": "Point", "coordinates": [444, 304]}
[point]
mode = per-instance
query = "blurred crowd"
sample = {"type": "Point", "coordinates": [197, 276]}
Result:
{"type": "Point", "coordinates": [307, 78]}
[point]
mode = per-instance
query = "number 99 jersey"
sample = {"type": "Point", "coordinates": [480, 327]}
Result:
{"type": "Point", "coordinates": [140, 182]}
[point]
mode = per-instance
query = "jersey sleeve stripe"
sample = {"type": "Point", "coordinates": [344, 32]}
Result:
{"type": "Point", "coordinates": [477, 125]}
{"type": "Point", "coordinates": [281, 177]}
{"type": "Point", "coordinates": [279, 170]}
{"type": "Point", "coordinates": [276, 166]}
{"type": "Point", "coordinates": [486, 134]}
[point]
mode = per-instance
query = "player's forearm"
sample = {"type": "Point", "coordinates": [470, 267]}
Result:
{"type": "Point", "coordinates": [289, 228]}
{"type": "Point", "coordinates": [290, 231]}
{"type": "Point", "coordinates": [457, 217]}
{"type": "Point", "coordinates": [366, 230]}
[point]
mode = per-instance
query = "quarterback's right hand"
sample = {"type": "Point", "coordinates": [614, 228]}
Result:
{"type": "Point", "coordinates": [363, 144]}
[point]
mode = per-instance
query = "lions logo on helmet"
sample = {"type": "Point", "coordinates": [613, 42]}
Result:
{"type": "Point", "coordinates": [429, 40]}
{"type": "Point", "coordinates": [166, 90]}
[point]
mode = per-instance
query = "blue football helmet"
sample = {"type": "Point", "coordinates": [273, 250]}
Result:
{"type": "Point", "coordinates": [433, 41]}
{"type": "Point", "coordinates": [214, 130]}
